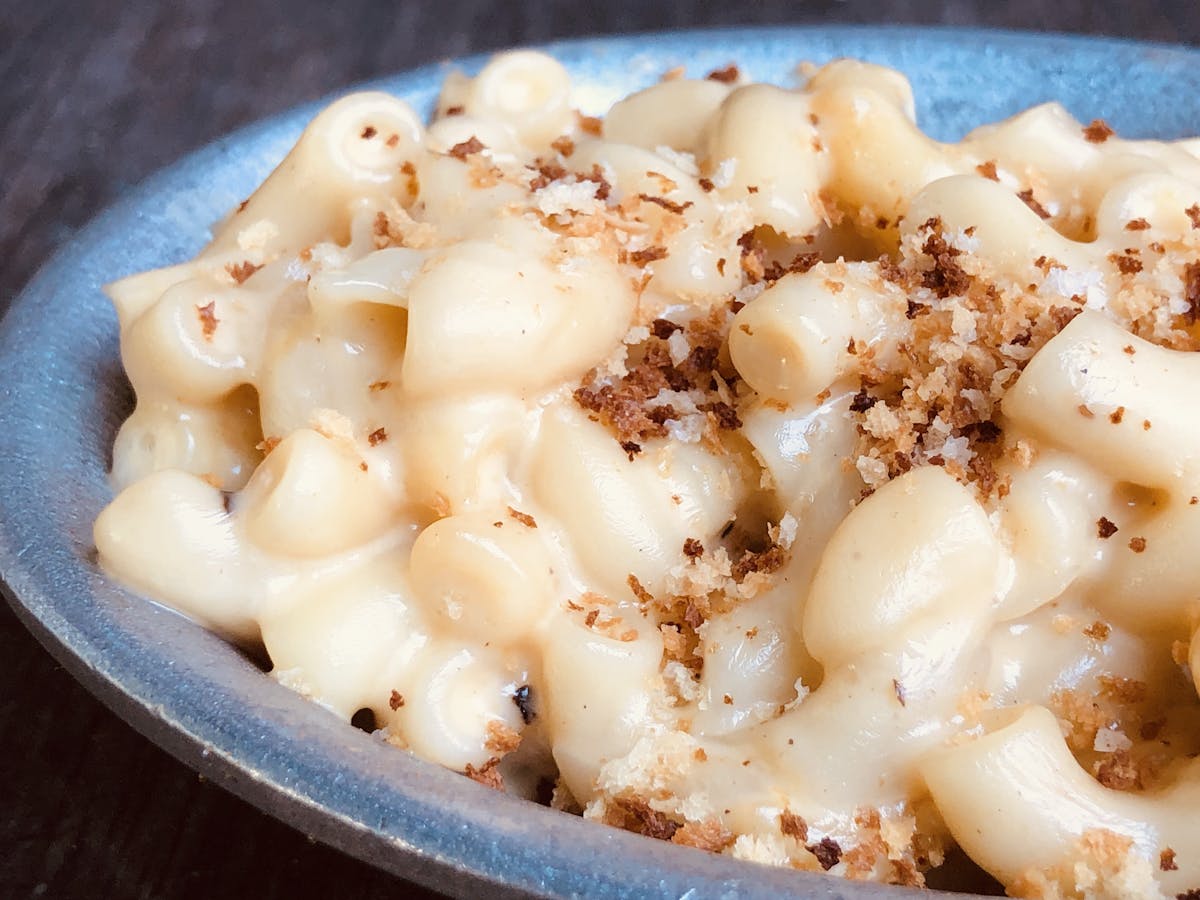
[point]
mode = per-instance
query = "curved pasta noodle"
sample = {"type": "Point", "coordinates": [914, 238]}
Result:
{"type": "Point", "coordinates": [480, 310]}
{"type": "Point", "coordinates": [637, 527]}
{"type": "Point", "coordinates": [669, 114]}
{"type": "Point", "coordinates": [1070, 392]}
{"type": "Point", "coordinates": [312, 497]}
{"type": "Point", "coordinates": [170, 536]}
{"type": "Point", "coordinates": [780, 176]}
{"type": "Point", "coordinates": [217, 442]}
{"type": "Point", "coordinates": [348, 641]}
{"type": "Point", "coordinates": [1049, 517]}
{"type": "Point", "coordinates": [792, 342]}
{"type": "Point", "coordinates": [943, 563]}
{"type": "Point", "coordinates": [598, 691]}
{"type": "Point", "coordinates": [488, 576]}
{"type": "Point", "coordinates": [528, 91]}
{"type": "Point", "coordinates": [345, 153]}
{"type": "Point", "coordinates": [1028, 782]}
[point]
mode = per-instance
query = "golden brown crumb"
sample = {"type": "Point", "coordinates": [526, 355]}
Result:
{"type": "Point", "coordinates": [1122, 689]}
{"type": "Point", "coordinates": [766, 562]}
{"type": "Point", "coordinates": [1118, 772]}
{"type": "Point", "coordinates": [396, 700]}
{"type": "Point", "coordinates": [563, 145]}
{"type": "Point", "coordinates": [379, 386]}
{"type": "Point", "coordinates": [1191, 292]}
{"type": "Point", "coordinates": [1138, 224]}
{"type": "Point", "coordinates": [669, 205]}
{"type": "Point", "coordinates": [1030, 201]}
{"type": "Point", "coordinates": [727, 75]}
{"type": "Point", "coordinates": [827, 851]}
{"type": "Point", "coordinates": [1127, 263]}
{"type": "Point", "coordinates": [591, 125]}
{"type": "Point", "coordinates": [708, 835]}
{"type": "Point", "coordinates": [524, 518]}
{"type": "Point", "coordinates": [377, 437]}
{"type": "Point", "coordinates": [1105, 527]}
{"type": "Point", "coordinates": [239, 272]}
{"type": "Point", "coordinates": [1137, 544]}
{"type": "Point", "coordinates": [487, 774]}
{"type": "Point", "coordinates": [638, 590]}
{"type": "Point", "coordinates": [1097, 131]}
{"type": "Point", "coordinates": [208, 319]}
{"type": "Point", "coordinates": [466, 148]}
{"type": "Point", "coordinates": [1166, 860]}
{"type": "Point", "coordinates": [646, 255]}
{"type": "Point", "coordinates": [1098, 631]}
{"type": "Point", "coordinates": [988, 170]}
{"type": "Point", "coordinates": [793, 825]}
{"type": "Point", "coordinates": [635, 814]}
{"type": "Point", "coordinates": [500, 738]}
{"type": "Point", "coordinates": [267, 444]}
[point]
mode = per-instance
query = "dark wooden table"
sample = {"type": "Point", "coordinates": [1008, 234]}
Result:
{"type": "Point", "coordinates": [93, 97]}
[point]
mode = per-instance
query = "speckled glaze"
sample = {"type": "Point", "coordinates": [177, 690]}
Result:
{"type": "Point", "coordinates": [62, 396]}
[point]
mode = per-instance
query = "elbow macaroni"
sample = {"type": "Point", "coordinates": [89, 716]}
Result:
{"type": "Point", "coordinates": [778, 480]}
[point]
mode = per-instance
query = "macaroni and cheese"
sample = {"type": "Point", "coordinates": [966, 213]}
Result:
{"type": "Point", "coordinates": [744, 468]}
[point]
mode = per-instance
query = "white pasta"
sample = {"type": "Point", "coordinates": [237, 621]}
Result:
{"type": "Point", "coordinates": [776, 479]}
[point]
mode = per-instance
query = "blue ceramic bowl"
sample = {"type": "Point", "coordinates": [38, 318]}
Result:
{"type": "Point", "coordinates": [63, 395]}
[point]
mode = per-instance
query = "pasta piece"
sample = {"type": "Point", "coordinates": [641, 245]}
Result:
{"type": "Point", "coordinates": [217, 442]}
{"type": "Point", "coordinates": [1049, 516]}
{"type": "Point", "coordinates": [1020, 780]}
{"type": "Point", "coordinates": [598, 692]}
{"type": "Point", "coordinates": [781, 164]}
{"type": "Point", "coordinates": [529, 91]}
{"type": "Point", "coordinates": [349, 640]}
{"type": "Point", "coordinates": [942, 561]}
{"type": "Point", "coordinates": [456, 693]}
{"type": "Point", "coordinates": [457, 451]}
{"type": "Point", "coordinates": [345, 153]}
{"type": "Point", "coordinates": [486, 575]}
{"type": "Point", "coordinates": [1071, 391]}
{"type": "Point", "coordinates": [312, 496]}
{"type": "Point", "coordinates": [628, 507]}
{"type": "Point", "coordinates": [480, 311]}
{"type": "Point", "coordinates": [169, 536]}
{"type": "Point", "coordinates": [792, 342]}
{"type": "Point", "coordinates": [669, 114]}
{"type": "Point", "coordinates": [196, 343]}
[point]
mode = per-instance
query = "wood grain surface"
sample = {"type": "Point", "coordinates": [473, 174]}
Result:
{"type": "Point", "coordinates": [94, 97]}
